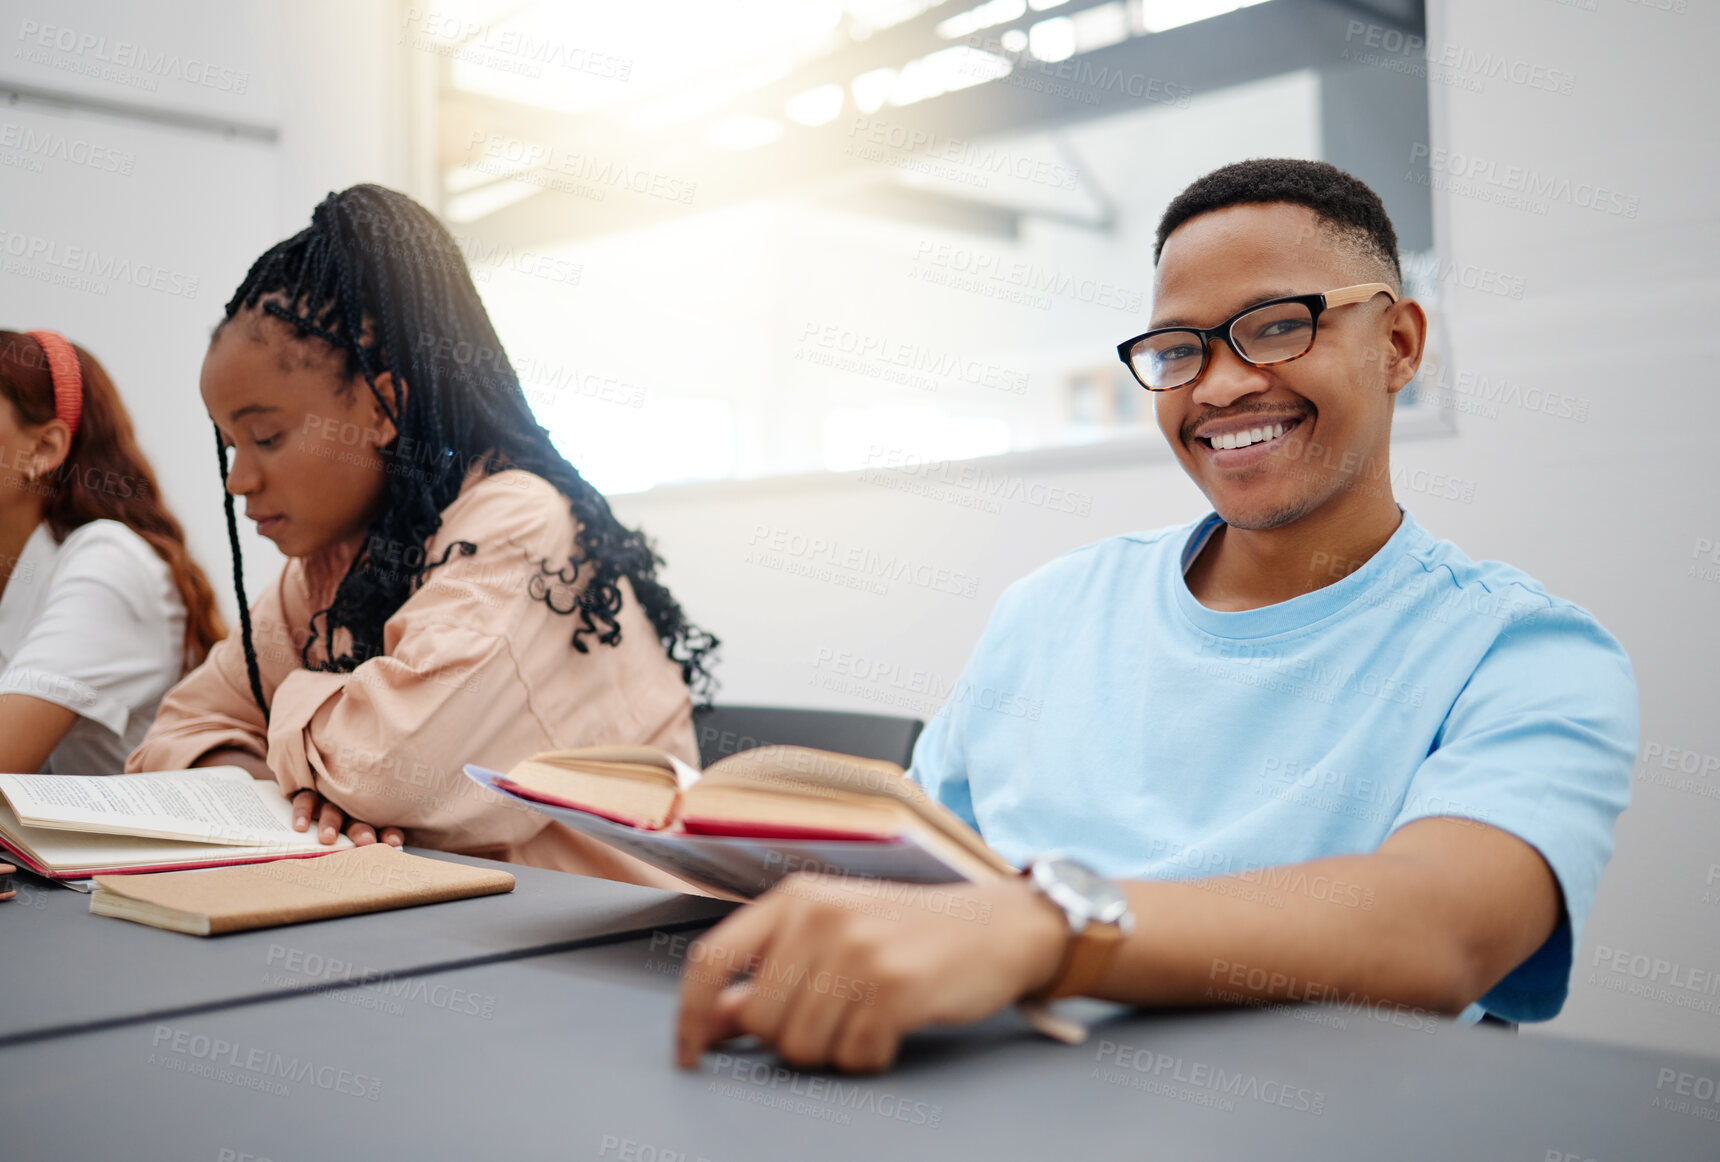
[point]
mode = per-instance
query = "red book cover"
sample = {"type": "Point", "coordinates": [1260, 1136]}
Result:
{"type": "Point", "coordinates": [695, 825]}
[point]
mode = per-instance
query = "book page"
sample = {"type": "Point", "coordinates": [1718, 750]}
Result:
{"type": "Point", "coordinates": [685, 776]}
{"type": "Point", "coordinates": [211, 804]}
{"type": "Point", "coordinates": [841, 783]}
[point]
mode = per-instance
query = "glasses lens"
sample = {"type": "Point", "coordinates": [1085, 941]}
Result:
{"type": "Point", "coordinates": [1275, 332]}
{"type": "Point", "coordinates": [1166, 360]}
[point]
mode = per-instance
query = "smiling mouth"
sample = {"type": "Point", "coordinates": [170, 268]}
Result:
{"type": "Point", "coordinates": [1264, 433]}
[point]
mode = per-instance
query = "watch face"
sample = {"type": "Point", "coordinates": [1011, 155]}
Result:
{"type": "Point", "coordinates": [1077, 887]}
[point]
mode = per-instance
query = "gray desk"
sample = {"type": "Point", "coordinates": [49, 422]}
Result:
{"type": "Point", "coordinates": [62, 969]}
{"type": "Point", "coordinates": [573, 1062]}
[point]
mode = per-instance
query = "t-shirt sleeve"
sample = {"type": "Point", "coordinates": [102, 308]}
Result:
{"type": "Point", "coordinates": [1540, 743]}
{"type": "Point", "coordinates": [104, 643]}
{"type": "Point", "coordinates": [940, 764]}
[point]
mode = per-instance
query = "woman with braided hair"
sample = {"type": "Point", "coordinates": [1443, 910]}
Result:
{"type": "Point", "coordinates": [455, 591]}
{"type": "Point", "coordinates": [101, 606]}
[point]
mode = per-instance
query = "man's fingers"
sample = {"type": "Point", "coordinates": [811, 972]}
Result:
{"type": "Point", "coordinates": [725, 1019]}
{"type": "Point", "coordinates": [866, 1042]}
{"type": "Point", "coordinates": [394, 836]}
{"type": "Point", "coordinates": [329, 823]}
{"type": "Point", "coordinates": [360, 833]}
{"type": "Point", "coordinates": [806, 1034]}
{"type": "Point", "coordinates": [780, 975]}
{"type": "Point", "coordinates": [712, 962]}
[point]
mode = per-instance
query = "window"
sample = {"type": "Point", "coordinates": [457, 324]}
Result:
{"type": "Point", "coordinates": [758, 263]}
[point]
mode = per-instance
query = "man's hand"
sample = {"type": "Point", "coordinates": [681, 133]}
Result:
{"type": "Point", "coordinates": [839, 970]}
{"type": "Point", "coordinates": [308, 805]}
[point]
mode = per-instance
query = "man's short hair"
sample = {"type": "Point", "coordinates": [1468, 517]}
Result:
{"type": "Point", "coordinates": [1353, 214]}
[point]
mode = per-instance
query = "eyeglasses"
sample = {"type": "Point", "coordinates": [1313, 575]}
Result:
{"type": "Point", "coordinates": [1261, 336]}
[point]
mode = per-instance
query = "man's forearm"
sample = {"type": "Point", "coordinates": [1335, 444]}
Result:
{"type": "Point", "coordinates": [1367, 926]}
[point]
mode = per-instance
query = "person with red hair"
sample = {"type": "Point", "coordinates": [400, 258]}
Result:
{"type": "Point", "coordinates": [102, 608]}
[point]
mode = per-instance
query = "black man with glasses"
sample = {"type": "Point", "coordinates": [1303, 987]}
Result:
{"type": "Point", "coordinates": [1296, 750]}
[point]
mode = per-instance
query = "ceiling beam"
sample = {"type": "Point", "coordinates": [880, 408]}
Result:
{"type": "Point", "coordinates": [610, 173]}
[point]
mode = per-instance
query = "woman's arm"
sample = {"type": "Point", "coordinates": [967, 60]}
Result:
{"type": "Point", "coordinates": [30, 729]}
{"type": "Point", "coordinates": [96, 646]}
{"type": "Point", "coordinates": [230, 756]}
{"type": "Point", "coordinates": [212, 707]}
{"type": "Point", "coordinates": [387, 741]}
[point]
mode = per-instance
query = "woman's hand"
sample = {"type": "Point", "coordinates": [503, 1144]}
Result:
{"type": "Point", "coordinates": [308, 805]}
{"type": "Point", "coordinates": [839, 970]}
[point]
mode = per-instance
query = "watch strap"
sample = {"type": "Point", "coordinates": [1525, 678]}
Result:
{"type": "Point", "coordinates": [1085, 961]}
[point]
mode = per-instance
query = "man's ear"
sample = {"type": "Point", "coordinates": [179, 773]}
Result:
{"type": "Point", "coordinates": [53, 443]}
{"type": "Point", "coordinates": [393, 395]}
{"type": "Point", "coordinates": [1406, 339]}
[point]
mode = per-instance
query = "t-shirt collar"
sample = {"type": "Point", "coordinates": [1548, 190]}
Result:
{"type": "Point", "coordinates": [1300, 611]}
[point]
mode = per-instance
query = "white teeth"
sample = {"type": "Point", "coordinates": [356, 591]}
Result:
{"type": "Point", "coordinates": [1244, 439]}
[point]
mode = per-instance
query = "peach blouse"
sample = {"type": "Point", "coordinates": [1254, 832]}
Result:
{"type": "Point", "coordinates": [476, 667]}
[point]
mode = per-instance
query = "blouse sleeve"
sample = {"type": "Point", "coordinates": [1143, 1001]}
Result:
{"type": "Point", "coordinates": [106, 641]}
{"type": "Point", "coordinates": [387, 742]}
{"type": "Point", "coordinates": [213, 707]}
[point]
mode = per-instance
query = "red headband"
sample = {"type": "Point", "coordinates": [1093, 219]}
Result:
{"type": "Point", "coordinates": [67, 376]}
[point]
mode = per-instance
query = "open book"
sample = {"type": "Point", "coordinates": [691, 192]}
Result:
{"type": "Point", "coordinates": [76, 826]}
{"type": "Point", "coordinates": [753, 817]}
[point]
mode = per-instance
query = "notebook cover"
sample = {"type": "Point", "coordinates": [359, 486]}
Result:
{"type": "Point", "coordinates": [372, 878]}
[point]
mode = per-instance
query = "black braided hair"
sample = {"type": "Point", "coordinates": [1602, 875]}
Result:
{"type": "Point", "coordinates": [376, 277]}
{"type": "Point", "coordinates": [239, 584]}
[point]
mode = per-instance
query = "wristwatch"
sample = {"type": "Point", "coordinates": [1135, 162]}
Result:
{"type": "Point", "coordinates": [1099, 919]}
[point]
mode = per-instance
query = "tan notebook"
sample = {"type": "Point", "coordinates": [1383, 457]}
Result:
{"type": "Point", "coordinates": [208, 902]}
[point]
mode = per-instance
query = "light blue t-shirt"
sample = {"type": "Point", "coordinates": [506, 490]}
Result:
{"type": "Point", "coordinates": [1108, 715]}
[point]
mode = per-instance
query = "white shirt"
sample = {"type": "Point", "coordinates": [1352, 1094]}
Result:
{"type": "Point", "coordinates": [94, 624]}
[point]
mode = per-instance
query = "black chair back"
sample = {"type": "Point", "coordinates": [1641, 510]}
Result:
{"type": "Point", "coordinates": [724, 730]}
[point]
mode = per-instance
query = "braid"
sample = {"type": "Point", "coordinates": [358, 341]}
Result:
{"type": "Point", "coordinates": [376, 277]}
{"type": "Point", "coordinates": [239, 584]}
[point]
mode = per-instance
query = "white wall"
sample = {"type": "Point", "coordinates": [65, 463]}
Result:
{"type": "Point", "coordinates": [1606, 512]}
{"type": "Point", "coordinates": [326, 74]}
{"type": "Point", "coordinates": [1618, 311]}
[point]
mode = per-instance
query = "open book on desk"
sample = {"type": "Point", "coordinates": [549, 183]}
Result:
{"type": "Point", "coordinates": [753, 817]}
{"type": "Point", "coordinates": [757, 816]}
{"type": "Point", "coordinates": [76, 826]}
